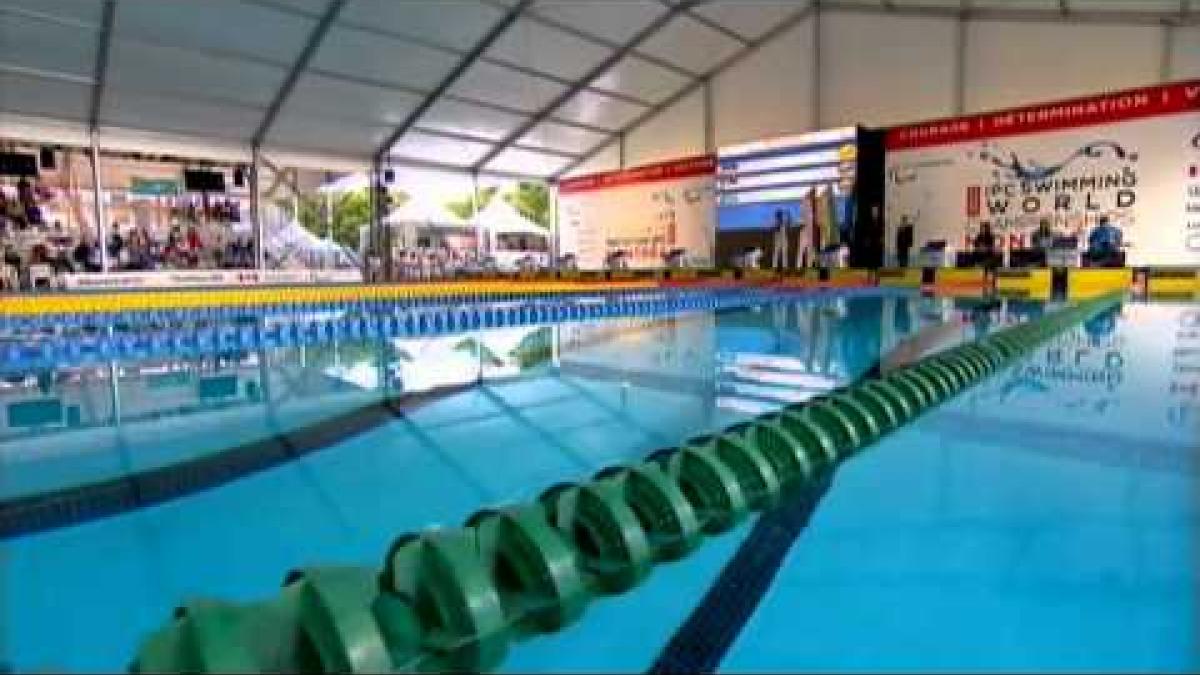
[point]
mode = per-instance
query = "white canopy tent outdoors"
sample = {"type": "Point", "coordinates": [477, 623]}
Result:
{"type": "Point", "coordinates": [523, 88]}
{"type": "Point", "coordinates": [500, 217]}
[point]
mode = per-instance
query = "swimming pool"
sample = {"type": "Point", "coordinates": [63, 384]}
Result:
{"type": "Point", "coordinates": [967, 540]}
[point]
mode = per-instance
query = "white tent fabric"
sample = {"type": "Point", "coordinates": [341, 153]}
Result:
{"type": "Point", "coordinates": [425, 212]}
{"type": "Point", "coordinates": [289, 243]}
{"type": "Point", "coordinates": [526, 89]}
{"type": "Point", "coordinates": [501, 217]}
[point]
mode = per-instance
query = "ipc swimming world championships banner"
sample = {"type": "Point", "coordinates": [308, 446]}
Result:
{"type": "Point", "coordinates": [1131, 155]}
{"type": "Point", "coordinates": [645, 211]}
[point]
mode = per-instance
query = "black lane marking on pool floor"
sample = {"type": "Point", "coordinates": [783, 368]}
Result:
{"type": "Point", "coordinates": [703, 640]}
{"type": "Point", "coordinates": [71, 506]}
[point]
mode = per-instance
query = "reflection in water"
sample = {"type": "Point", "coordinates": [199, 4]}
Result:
{"type": "Point", "coordinates": [542, 404]}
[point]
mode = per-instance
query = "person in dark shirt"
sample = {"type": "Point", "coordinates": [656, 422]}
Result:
{"type": "Point", "coordinates": [115, 241]}
{"type": "Point", "coordinates": [779, 249]}
{"type": "Point", "coordinates": [985, 240]}
{"type": "Point", "coordinates": [1104, 245]}
{"type": "Point", "coordinates": [904, 241]}
{"type": "Point", "coordinates": [1043, 236]}
{"type": "Point", "coordinates": [81, 254]}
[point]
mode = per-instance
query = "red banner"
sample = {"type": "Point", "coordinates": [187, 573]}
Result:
{"type": "Point", "coordinates": [677, 168]}
{"type": "Point", "coordinates": [1090, 110]}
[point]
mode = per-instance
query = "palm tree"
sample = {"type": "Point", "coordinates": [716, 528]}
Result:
{"type": "Point", "coordinates": [531, 200]}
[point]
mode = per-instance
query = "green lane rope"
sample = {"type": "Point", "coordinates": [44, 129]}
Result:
{"type": "Point", "coordinates": [456, 599]}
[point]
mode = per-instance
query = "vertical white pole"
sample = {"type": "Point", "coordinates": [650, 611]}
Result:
{"type": "Point", "coordinates": [101, 222]}
{"type": "Point", "coordinates": [260, 252]}
{"type": "Point", "coordinates": [479, 243]}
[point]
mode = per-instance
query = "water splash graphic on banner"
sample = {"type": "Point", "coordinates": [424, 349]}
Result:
{"type": "Point", "coordinates": [1010, 165]}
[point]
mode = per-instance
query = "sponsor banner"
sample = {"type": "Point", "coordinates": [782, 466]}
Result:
{"type": "Point", "coordinates": [1129, 156]}
{"type": "Point", "coordinates": [689, 167]}
{"type": "Point", "coordinates": [646, 212]}
{"type": "Point", "coordinates": [1107, 108]}
{"type": "Point", "coordinates": [206, 279]}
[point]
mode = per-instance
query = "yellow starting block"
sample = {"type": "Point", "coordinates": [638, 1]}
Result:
{"type": "Point", "coordinates": [1026, 283]}
{"type": "Point", "coordinates": [1084, 282]}
{"type": "Point", "coordinates": [1173, 281]}
{"type": "Point", "coordinates": [900, 277]}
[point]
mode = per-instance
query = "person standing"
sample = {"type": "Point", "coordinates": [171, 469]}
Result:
{"type": "Point", "coordinates": [780, 246]}
{"type": "Point", "coordinates": [904, 241]}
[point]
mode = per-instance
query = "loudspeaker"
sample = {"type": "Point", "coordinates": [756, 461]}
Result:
{"type": "Point", "coordinates": [389, 175]}
{"type": "Point", "coordinates": [239, 176]}
{"type": "Point", "coordinates": [46, 158]}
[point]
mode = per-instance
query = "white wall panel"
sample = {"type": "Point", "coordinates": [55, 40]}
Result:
{"type": "Point", "coordinates": [418, 145]}
{"type": "Point", "coordinates": [749, 18]}
{"type": "Point", "coordinates": [175, 115]}
{"type": "Point", "coordinates": [769, 93]}
{"type": "Point", "coordinates": [608, 159]}
{"type": "Point", "coordinates": [326, 134]}
{"type": "Point", "coordinates": [555, 136]}
{"type": "Point", "coordinates": [686, 42]}
{"type": "Point", "coordinates": [134, 66]}
{"type": "Point", "coordinates": [233, 27]}
{"type": "Point", "coordinates": [516, 160]}
{"type": "Point", "coordinates": [615, 20]}
{"type": "Point", "coordinates": [457, 23]}
{"type": "Point", "coordinates": [637, 77]}
{"type": "Point", "coordinates": [38, 96]}
{"type": "Point", "coordinates": [317, 94]}
{"type": "Point", "coordinates": [359, 53]}
{"type": "Point", "coordinates": [464, 118]}
{"type": "Point", "coordinates": [87, 13]}
{"type": "Point", "coordinates": [1185, 57]}
{"type": "Point", "coordinates": [487, 82]}
{"type": "Point", "coordinates": [1018, 63]}
{"type": "Point", "coordinates": [881, 70]}
{"type": "Point", "coordinates": [589, 107]}
{"type": "Point", "coordinates": [677, 132]}
{"type": "Point", "coordinates": [547, 50]}
{"type": "Point", "coordinates": [42, 45]}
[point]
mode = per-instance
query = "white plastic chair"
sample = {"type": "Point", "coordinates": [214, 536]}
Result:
{"type": "Point", "coordinates": [41, 274]}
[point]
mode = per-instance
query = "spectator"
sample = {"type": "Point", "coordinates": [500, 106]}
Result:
{"type": "Point", "coordinates": [116, 243]}
{"type": "Point", "coordinates": [81, 255]}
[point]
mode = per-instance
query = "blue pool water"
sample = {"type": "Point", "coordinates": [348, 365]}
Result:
{"type": "Point", "coordinates": [1046, 518]}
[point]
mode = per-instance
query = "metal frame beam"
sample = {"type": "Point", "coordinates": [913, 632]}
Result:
{"type": "Point", "coordinates": [446, 49]}
{"type": "Point", "coordinates": [464, 63]}
{"type": "Point", "coordinates": [783, 26]}
{"type": "Point", "coordinates": [599, 69]}
{"type": "Point", "coordinates": [472, 138]}
{"type": "Point", "coordinates": [534, 16]}
{"type": "Point", "coordinates": [717, 26]}
{"type": "Point", "coordinates": [1118, 17]}
{"type": "Point", "coordinates": [289, 83]}
{"type": "Point", "coordinates": [100, 73]}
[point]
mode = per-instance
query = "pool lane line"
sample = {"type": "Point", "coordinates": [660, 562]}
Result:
{"type": "Point", "coordinates": [74, 505]}
{"type": "Point", "coordinates": [703, 640]}
{"type": "Point", "coordinates": [705, 637]}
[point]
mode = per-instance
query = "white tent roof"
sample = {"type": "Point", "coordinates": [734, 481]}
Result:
{"type": "Point", "coordinates": [422, 210]}
{"type": "Point", "coordinates": [500, 216]}
{"type": "Point", "coordinates": [527, 88]}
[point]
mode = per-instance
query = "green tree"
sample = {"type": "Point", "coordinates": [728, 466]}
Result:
{"type": "Point", "coordinates": [462, 207]}
{"type": "Point", "coordinates": [531, 200]}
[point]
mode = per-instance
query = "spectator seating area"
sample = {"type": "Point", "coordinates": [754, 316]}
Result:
{"type": "Point", "coordinates": [37, 252]}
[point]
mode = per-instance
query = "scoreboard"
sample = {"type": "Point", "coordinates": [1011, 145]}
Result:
{"type": "Point", "coordinates": [756, 179]}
